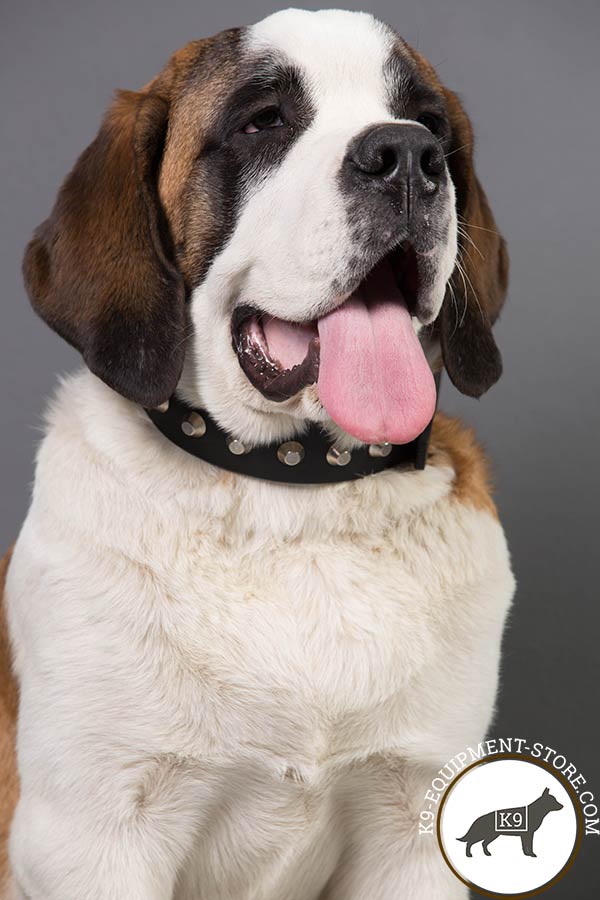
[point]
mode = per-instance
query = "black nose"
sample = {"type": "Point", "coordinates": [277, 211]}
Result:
{"type": "Point", "coordinates": [398, 158]}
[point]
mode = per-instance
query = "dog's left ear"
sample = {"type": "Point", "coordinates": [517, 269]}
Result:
{"type": "Point", "coordinates": [100, 270]}
{"type": "Point", "coordinates": [471, 356]}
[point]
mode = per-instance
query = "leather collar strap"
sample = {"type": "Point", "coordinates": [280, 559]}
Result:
{"type": "Point", "coordinates": [309, 459]}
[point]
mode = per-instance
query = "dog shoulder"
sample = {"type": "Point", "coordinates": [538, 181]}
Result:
{"type": "Point", "coordinates": [454, 444]}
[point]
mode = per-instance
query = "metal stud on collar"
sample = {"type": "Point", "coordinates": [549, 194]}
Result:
{"type": "Point", "coordinates": [314, 462]}
{"type": "Point", "coordinates": [337, 457]}
{"type": "Point", "coordinates": [237, 447]}
{"type": "Point", "coordinates": [378, 451]}
{"type": "Point", "coordinates": [194, 425]}
{"type": "Point", "coordinates": [290, 453]}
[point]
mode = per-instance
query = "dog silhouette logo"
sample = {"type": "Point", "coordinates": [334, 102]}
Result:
{"type": "Point", "coordinates": [482, 804]}
{"type": "Point", "coordinates": [517, 821]}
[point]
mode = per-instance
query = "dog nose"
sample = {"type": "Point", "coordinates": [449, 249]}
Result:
{"type": "Point", "coordinates": [403, 158]}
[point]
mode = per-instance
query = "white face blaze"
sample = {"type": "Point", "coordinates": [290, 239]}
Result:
{"type": "Point", "coordinates": [293, 242]}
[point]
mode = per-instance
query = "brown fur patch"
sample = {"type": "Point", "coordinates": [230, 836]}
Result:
{"type": "Point", "coordinates": [200, 77]}
{"type": "Point", "coordinates": [472, 481]}
{"type": "Point", "coordinates": [99, 270]}
{"type": "Point", "coordinates": [196, 83]}
{"type": "Point", "coordinates": [9, 698]}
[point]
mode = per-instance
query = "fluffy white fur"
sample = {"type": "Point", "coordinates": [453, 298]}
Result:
{"type": "Point", "coordinates": [237, 690]}
{"type": "Point", "coordinates": [234, 689]}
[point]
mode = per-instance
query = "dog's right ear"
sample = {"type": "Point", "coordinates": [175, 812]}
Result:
{"type": "Point", "coordinates": [100, 270]}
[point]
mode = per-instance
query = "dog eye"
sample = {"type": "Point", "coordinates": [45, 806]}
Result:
{"type": "Point", "coordinates": [268, 118]}
{"type": "Point", "coordinates": [431, 122]}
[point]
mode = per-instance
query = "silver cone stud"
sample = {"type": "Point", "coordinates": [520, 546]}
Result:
{"type": "Point", "coordinates": [237, 447]}
{"type": "Point", "coordinates": [290, 453]}
{"type": "Point", "coordinates": [194, 425]}
{"type": "Point", "coordinates": [379, 450]}
{"type": "Point", "coordinates": [336, 457]}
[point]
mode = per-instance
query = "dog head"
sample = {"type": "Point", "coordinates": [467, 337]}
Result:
{"type": "Point", "coordinates": [549, 801]}
{"type": "Point", "coordinates": [281, 226]}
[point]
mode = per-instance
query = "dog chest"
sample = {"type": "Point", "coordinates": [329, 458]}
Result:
{"type": "Point", "coordinates": [295, 644]}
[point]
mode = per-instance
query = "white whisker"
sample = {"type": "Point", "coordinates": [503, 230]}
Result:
{"type": "Point", "coordinates": [468, 237]}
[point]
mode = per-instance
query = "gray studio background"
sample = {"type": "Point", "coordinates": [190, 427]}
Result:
{"type": "Point", "coordinates": [527, 72]}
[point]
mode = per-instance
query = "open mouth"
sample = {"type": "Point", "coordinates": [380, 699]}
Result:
{"type": "Point", "coordinates": [365, 357]}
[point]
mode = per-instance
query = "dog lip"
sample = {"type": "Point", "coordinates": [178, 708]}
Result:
{"type": "Point", "coordinates": [267, 376]}
{"type": "Point", "coordinates": [241, 314]}
{"type": "Point", "coordinates": [406, 266]}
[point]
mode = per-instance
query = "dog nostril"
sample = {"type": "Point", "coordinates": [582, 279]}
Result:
{"type": "Point", "coordinates": [432, 162]}
{"type": "Point", "coordinates": [389, 161]}
{"type": "Point", "coordinates": [383, 161]}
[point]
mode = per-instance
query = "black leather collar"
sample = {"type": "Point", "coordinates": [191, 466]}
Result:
{"type": "Point", "coordinates": [308, 459]}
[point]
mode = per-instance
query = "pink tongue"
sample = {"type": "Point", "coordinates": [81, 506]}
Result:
{"type": "Point", "coordinates": [374, 380]}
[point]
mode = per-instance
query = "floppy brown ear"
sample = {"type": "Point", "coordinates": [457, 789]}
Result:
{"type": "Point", "coordinates": [471, 356]}
{"type": "Point", "coordinates": [99, 270]}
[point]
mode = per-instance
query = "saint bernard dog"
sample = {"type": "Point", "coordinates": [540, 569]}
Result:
{"type": "Point", "coordinates": [216, 686]}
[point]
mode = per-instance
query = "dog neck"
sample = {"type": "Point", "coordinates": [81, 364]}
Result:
{"type": "Point", "coordinates": [114, 466]}
{"type": "Point", "coordinates": [313, 458]}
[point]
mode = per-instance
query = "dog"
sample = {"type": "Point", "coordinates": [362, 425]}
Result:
{"type": "Point", "coordinates": [228, 687]}
{"type": "Point", "coordinates": [521, 822]}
